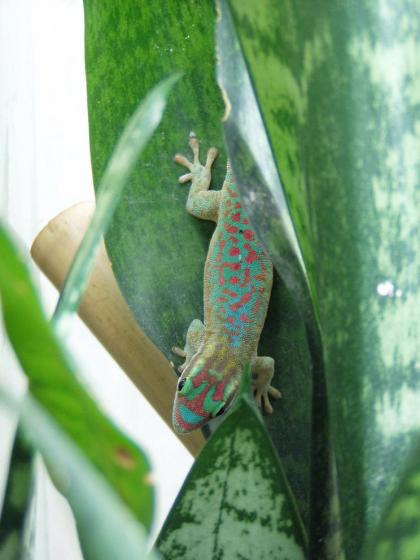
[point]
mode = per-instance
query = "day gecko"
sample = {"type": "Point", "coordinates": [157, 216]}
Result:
{"type": "Point", "coordinates": [238, 276]}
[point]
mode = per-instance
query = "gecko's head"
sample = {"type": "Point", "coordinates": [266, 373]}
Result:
{"type": "Point", "coordinates": [205, 390]}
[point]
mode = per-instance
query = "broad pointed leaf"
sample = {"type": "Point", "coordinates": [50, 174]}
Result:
{"type": "Point", "coordinates": [236, 502]}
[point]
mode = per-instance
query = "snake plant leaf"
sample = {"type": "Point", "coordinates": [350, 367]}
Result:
{"type": "Point", "coordinates": [157, 249]}
{"type": "Point", "coordinates": [53, 383]}
{"type": "Point", "coordinates": [135, 136]}
{"type": "Point", "coordinates": [398, 534]}
{"type": "Point", "coordinates": [106, 527]}
{"type": "Point", "coordinates": [337, 87]}
{"type": "Point", "coordinates": [236, 502]}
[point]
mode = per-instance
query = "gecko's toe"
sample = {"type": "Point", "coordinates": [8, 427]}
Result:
{"type": "Point", "coordinates": [273, 392]}
{"type": "Point", "coordinates": [185, 178]}
{"type": "Point", "coordinates": [211, 156]}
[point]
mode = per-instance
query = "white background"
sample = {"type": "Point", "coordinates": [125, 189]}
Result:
{"type": "Point", "coordinates": [45, 168]}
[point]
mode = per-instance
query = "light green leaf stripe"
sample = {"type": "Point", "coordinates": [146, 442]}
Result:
{"type": "Point", "coordinates": [236, 502]}
{"type": "Point", "coordinates": [106, 527]}
{"type": "Point", "coordinates": [130, 145]}
{"type": "Point", "coordinates": [53, 383]}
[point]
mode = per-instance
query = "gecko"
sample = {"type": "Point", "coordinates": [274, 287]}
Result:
{"type": "Point", "coordinates": [238, 277]}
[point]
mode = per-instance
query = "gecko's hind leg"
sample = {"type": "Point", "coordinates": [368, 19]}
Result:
{"type": "Point", "coordinates": [194, 339]}
{"type": "Point", "coordinates": [262, 371]}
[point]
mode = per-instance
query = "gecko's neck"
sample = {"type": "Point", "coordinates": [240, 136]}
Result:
{"type": "Point", "coordinates": [218, 349]}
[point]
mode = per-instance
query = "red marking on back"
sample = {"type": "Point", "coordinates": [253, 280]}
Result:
{"type": "Point", "coordinates": [231, 193]}
{"type": "Point", "coordinates": [247, 278]}
{"type": "Point", "coordinates": [249, 234]}
{"type": "Point", "coordinates": [237, 205]}
{"type": "Point", "coordinates": [244, 318]}
{"type": "Point", "coordinates": [246, 221]}
{"type": "Point", "coordinates": [234, 251]}
{"type": "Point", "coordinates": [234, 280]}
{"type": "Point", "coordinates": [228, 203]}
{"type": "Point", "coordinates": [230, 293]}
{"type": "Point", "coordinates": [244, 299]}
{"type": "Point", "coordinates": [251, 257]}
{"type": "Point", "coordinates": [231, 319]}
{"type": "Point", "coordinates": [236, 266]}
{"type": "Point", "coordinates": [230, 229]}
{"type": "Point", "coordinates": [233, 239]}
{"type": "Point", "coordinates": [236, 217]}
{"type": "Point", "coordinates": [256, 306]}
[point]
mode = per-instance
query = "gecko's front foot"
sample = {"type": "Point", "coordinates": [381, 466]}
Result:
{"type": "Point", "coordinates": [197, 172]}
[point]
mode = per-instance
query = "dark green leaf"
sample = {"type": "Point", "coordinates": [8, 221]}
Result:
{"type": "Point", "coordinates": [157, 249]}
{"type": "Point", "coordinates": [53, 384]}
{"type": "Point", "coordinates": [236, 502]}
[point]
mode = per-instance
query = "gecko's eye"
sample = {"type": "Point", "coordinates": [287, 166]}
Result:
{"type": "Point", "coordinates": [181, 383]}
{"type": "Point", "coordinates": [221, 411]}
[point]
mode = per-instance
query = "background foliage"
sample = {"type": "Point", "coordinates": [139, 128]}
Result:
{"type": "Point", "coordinates": [323, 134]}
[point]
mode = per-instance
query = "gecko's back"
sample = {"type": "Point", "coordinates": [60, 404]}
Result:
{"type": "Point", "coordinates": [237, 278]}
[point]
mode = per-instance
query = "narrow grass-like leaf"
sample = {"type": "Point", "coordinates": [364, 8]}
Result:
{"type": "Point", "coordinates": [127, 150]}
{"type": "Point", "coordinates": [53, 383]}
{"type": "Point", "coordinates": [16, 500]}
{"type": "Point", "coordinates": [236, 502]}
{"type": "Point", "coordinates": [106, 527]}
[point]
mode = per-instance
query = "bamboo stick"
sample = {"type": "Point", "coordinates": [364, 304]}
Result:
{"type": "Point", "coordinates": [107, 315]}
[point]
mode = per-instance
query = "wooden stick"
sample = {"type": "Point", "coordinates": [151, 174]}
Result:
{"type": "Point", "coordinates": [107, 315]}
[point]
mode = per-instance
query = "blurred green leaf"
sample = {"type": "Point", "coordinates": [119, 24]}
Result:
{"type": "Point", "coordinates": [337, 87]}
{"type": "Point", "coordinates": [235, 502]}
{"type": "Point", "coordinates": [53, 384]}
{"type": "Point", "coordinates": [157, 249]}
{"type": "Point", "coordinates": [398, 535]}
{"type": "Point", "coordinates": [135, 136]}
{"type": "Point", "coordinates": [106, 527]}
{"type": "Point", "coordinates": [16, 500]}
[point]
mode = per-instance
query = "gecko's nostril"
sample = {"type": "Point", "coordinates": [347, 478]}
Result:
{"type": "Point", "coordinates": [181, 383]}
